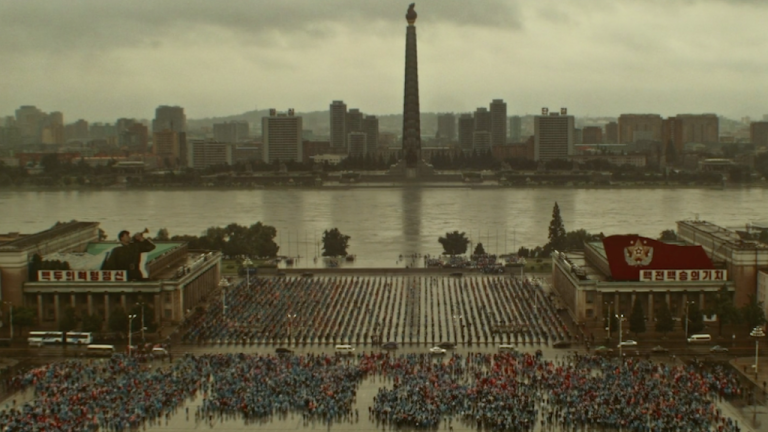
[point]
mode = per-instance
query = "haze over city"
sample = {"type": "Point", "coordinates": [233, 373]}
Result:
{"type": "Point", "coordinates": [103, 60]}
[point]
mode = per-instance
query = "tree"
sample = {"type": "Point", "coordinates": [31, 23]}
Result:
{"type": "Point", "coordinates": [335, 243]}
{"type": "Point", "coordinates": [637, 318]}
{"type": "Point", "coordinates": [557, 235]}
{"type": "Point", "coordinates": [24, 317]}
{"type": "Point", "coordinates": [664, 321]}
{"type": "Point", "coordinates": [162, 235]}
{"type": "Point", "coordinates": [479, 249]}
{"type": "Point", "coordinates": [118, 320]}
{"type": "Point", "coordinates": [668, 235]}
{"type": "Point", "coordinates": [722, 306]}
{"type": "Point", "coordinates": [753, 313]}
{"type": "Point", "coordinates": [695, 319]}
{"type": "Point", "coordinates": [574, 240]}
{"type": "Point", "coordinates": [454, 243]}
{"type": "Point", "coordinates": [68, 320]}
{"type": "Point", "coordinates": [92, 323]}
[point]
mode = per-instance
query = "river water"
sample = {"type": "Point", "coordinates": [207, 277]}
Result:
{"type": "Point", "coordinates": [384, 223]}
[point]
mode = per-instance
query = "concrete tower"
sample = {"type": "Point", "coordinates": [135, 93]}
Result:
{"type": "Point", "coordinates": [411, 113]}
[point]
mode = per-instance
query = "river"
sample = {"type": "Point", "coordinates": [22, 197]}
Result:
{"type": "Point", "coordinates": [384, 223]}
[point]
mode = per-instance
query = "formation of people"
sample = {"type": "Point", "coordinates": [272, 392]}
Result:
{"type": "Point", "coordinates": [505, 392]}
{"type": "Point", "coordinates": [361, 310]}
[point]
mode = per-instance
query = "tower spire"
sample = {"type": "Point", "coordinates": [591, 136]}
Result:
{"type": "Point", "coordinates": [411, 111]}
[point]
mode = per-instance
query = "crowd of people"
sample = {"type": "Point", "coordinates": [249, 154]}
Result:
{"type": "Point", "coordinates": [504, 392]}
{"type": "Point", "coordinates": [360, 310]}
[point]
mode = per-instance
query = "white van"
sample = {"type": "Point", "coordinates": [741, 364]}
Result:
{"type": "Point", "coordinates": [100, 350]}
{"type": "Point", "coordinates": [345, 349]}
{"type": "Point", "coordinates": [699, 338]}
{"type": "Point", "coordinates": [508, 348]}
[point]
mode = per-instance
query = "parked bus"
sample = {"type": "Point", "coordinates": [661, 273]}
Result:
{"type": "Point", "coordinates": [79, 338]}
{"type": "Point", "coordinates": [45, 337]}
{"type": "Point", "coordinates": [100, 350]}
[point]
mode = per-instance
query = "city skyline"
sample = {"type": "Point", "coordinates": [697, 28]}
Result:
{"type": "Point", "coordinates": [102, 61]}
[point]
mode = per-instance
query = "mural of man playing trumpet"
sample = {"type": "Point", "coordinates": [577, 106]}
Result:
{"type": "Point", "coordinates": [128, 255]}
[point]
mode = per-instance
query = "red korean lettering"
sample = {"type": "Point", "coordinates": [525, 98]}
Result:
{"type": "Point", "coordinates": [683, 275]}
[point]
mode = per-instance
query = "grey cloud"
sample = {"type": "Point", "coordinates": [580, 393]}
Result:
{"type": "Point", "coordinates": [57, 26]}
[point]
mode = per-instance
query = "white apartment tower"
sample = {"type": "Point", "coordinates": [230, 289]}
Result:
{"type": "Point", "coordinates": [554, 135]}
{"type": "Point", "coordinates": [281, 137]}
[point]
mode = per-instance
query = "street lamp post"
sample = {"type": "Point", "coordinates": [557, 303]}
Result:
{"type": "Point", "coordinates": [130, 333]}
{"type": "Point", "coordinates": [621, 318]}
{"type": "Point", "coordinates": [247, 263]}
{"type": "Point", "coordinates": [224, 284]}
{"type": "Point", "coordinates": [290, 327]}
{"type": "Point", "coordinates": [609, 318]}
{"type": "Point", "coordinates": [142, 321]}
{"type": "Point", "coordinates": [757, 333]}
{"type": "Point", "coordinates": [687, 304]}
{"type": "Point", "coordinates": [10, 305]}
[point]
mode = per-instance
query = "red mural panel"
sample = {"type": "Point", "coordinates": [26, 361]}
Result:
{"type": "Point", "coordinates": [628, 255]}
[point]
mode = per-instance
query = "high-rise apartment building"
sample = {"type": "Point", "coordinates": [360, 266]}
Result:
{"type": "Point", "coordinates": [481, 141]}
{"type": "Point", "coordinates": [231, 132]}
{"type": "Point", "coordinates": [167, 147]}
{"type": "Point", "coordinates": [612, 133]}
{"type": "Point", "coordinates": [371, 131]}
{"type": "Point", "coordinates": [592, 135]}
{"type": "Point", "coordinates": [169, 118]}
{"type": "Point", "coordinates": [77, 130]}
{"type": "Point", "coordinates": [690, 128]}
{"type": "Point", "coordinates": [135, 137]}
{"type": "Point", "coordinates": [29, 119]}
{"type": "Point", "coordinates": [446, 126]}
{"type": "Point", "coordinates": [498, 114]}
{"type": "Point", "coordinates": [357, 143]}
{"type": "Point", "coordinates": [338, 112]}
{"type": "Point", "coordinates": [639, 127]}
{"type": "Point", "coordinates": [553, 135]}
{"type": "Point", "coordinates": [758, 133]}
{"type": "Point", "coordinates": [466, 131]}
{"type": "Point", "coordinates": [354, 122]}
{"type": "Point", "coordinates": [515, 129]}
{"type": "Point", "coordinates": [281, 137]}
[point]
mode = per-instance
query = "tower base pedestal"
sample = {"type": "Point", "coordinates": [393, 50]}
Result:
{"type": "Point", "coordinates": [412, 173]}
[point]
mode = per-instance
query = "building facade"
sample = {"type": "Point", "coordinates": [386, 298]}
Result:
{"type": "Point", "coordinates": [446, 126]}
{"type": "Point", "coordinates": [338, 129]}
{"type": "Point", "coordinates": [515, 129]}
{"type": "Point", "coordinates": [169, 118]}
{"type": "Point", "coordinates": [639, 127]}
{"type": "Point", "coordinates": [498, 112]}
{"type": "Point", "coordinates": [178, 278]}
{"type": "Point", "coordinates": [554, 136]}
{"type": "Point", "coordinates": [281, 137]}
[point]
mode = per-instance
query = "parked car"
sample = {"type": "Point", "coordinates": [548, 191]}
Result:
{"type": "Point", "coordinates": [561, 344]}
{"type": "Point", "coordinates": [718, 349]}
{"type": "Point", "coordinates": [658, 349]}
{"type": "Point", "coordinates": [628, 343]}
{"type": "Point", "coordinates": [159, 352]}
{"type": "Point", "coordinates": [308, 274]}
{"type": "Point", "coordinates": [390, 346]}
{"type": "Point", "coordinates": [447, 345]}
{"type": "Point", "coordinates": [437, 350]}
{"type": "Point", "coordinates": [602, 349]}
{"type": "Point", "coordinates": [283, 350]}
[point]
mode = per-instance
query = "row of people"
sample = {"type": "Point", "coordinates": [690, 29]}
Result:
{"type": "Point", "coordinates": [357, 310]}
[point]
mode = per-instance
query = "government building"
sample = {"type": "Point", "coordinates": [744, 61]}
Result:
{"type": "Point", "coordinates": [622, 269]}
{"type": "Point", "coordinates": [177, 278]}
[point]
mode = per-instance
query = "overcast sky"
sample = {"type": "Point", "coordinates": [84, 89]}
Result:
{"type": "Point", "coordinates": [100, 59]}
